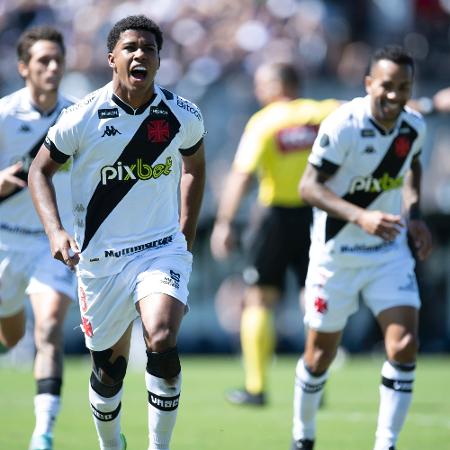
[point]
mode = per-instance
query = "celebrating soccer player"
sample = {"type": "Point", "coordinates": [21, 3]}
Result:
{"type": "Point", "coordinates": [133, 143]}
{"type": "Point", "coordinates": [363, 179]}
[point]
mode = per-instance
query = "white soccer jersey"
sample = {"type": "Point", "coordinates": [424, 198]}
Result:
{"type": "Point", "coordinates": [126, 172]}
{"type": "Point", "coordinates": [368, 167]}
{"type": "Point", "coordinates": [22, 132]}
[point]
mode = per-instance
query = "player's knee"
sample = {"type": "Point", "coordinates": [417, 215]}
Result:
{"type": "Point", "coordinates": [319, 360]}
{"type": "Point", "coordinates": [165, 364]}
{"type": "Point", "coordinates": [161, 339]}
{"type": "Point", "coordinates": [107, 377]}
{"type": "Point", "coordinates": [48, 332]}
{"type": "Point", "coordinates": [404, 350]}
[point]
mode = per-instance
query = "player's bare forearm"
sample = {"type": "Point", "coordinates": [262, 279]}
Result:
{"type": "Point", "coordinates": [42, 191]}
{"type": "Point", "coordinates": [313, 191]}
{"type": "Point", "coordinates": [192, 186]}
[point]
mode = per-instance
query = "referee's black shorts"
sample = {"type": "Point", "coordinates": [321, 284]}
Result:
{"type": "Point", "coordinates": [279, 240]}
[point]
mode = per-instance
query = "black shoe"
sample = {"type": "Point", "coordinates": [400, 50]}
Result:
{"type": "Point", "coordinates": [243, 397]}
{"type": "Point", "coordinates": [303, 444]}
{"type": "Point", "coordinates": [391, 448]}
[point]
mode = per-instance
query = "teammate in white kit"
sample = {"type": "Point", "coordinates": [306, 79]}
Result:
{"type": "Point", "coordinates": [26, 265]}
{"type": "Point", "coordinates": [363, 179]}
{"type": "Point", "coordinates": [133, 144]}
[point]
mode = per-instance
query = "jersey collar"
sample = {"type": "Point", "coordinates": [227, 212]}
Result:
{"type": "Point", "coordinates": [129, 109]}
{"type": "Point", "coordinates": [375, 124]}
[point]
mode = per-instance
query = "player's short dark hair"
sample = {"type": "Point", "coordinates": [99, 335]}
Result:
{"type": "Point", "coordinates": [394, 53]}
{"type": "Point", "coordinates": [140, 22]}
{"type": "Point", "coordinates": [29, 37]}
{"type": "Point", "coordinates": [287, 73]}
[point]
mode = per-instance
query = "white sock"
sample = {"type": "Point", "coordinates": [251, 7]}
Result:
{"type": "Point", "coordinates": [162, 409]}
{"type": "Point", "coordinates": [395, 399]}
{"type": "Point", "coordinates": [106, 414]}
{"type": "Point", "coordinates": [46, 408]}
{"type": "Point", "coordinates": [307, 394]}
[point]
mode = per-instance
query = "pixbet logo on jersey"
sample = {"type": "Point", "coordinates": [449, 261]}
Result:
{"type": "Point", "coordinates": [371, 184]}
{"type": "Point", "coordinates": [139, 171]}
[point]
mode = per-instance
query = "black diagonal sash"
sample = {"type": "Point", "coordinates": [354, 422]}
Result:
{"type": "Point", "coordinates": [391, 164]}
{"type": "Point", "coordinates": [107, 196]}
{"type": "Point", "coordinates": [27, 159]}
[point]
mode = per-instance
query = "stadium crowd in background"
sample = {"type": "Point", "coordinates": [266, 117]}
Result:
{"type": "Point", "coordinates": [26, 265]}
{"type": "Point", "coordinates": [138, 148]}
{"type": "Point", "coordinates": [363, 165]}
{"type": "Point", "coordinates": [274, 148]}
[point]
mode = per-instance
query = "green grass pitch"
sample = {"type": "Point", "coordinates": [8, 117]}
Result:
{"type": "Point", "coordinates": [207, 422]}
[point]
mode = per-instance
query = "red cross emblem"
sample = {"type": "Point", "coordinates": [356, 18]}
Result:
{"type": "Point", "coordinates": [158, 131]}
{"type": "Point", "coordinates": [402, 146]}
{"type": "Point", "coordinates": [321, 305]}
{"type": "Point", "coordinates": [87, 327]}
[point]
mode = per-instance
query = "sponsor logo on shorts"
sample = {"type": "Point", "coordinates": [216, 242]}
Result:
{"type": "Point", "coordinates": [20, 230]}
{"type": "Point", "coordinates": [137, 171]}
{"type": "Point", "coordinates": [173, 281]}
{"type": "Point", "coordinates": [410, 285]}
{"type": "Point", "coordinates": [83, 301]}
{"type": "Point", "coordinates": [138, 248]}
{"type": "Point", "coordinates": [371, 184]}
{"type": "Point", "coordinates": [360, 248]}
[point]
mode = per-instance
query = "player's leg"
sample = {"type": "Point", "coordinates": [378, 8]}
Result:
{"type": "Point", "coordinates": [49, 309]}
{"type": "Point", "coordinates": [399, 326]}
{"type": "Point", "coordinates": [330, 298]}
{"type": "Point", "coordinates": [105, 391]}
{"type": "Point", "coordinates": [12, 295]}
{"type": "Point", "coordinates": [161, 316]}
{"type": "Point", "coordinates": [257, 342]}
{"type": "Point", "coordinates": [311, 375]}
{"type": "Point", "coordinates": [393, 297]}
{"type": "Point", "coordinates": [264, 275]}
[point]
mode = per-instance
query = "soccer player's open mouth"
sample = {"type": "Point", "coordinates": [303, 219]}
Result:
{"type": "Point", "coordinates": [139, 73]}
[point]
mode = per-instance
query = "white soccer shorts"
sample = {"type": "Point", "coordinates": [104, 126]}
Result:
{"type": "Point", "coordinates": [33, 272]}
{"type": "Point", "coordinates": [332, 294]}
{"type": "Point", "coordinates": [107, 304]}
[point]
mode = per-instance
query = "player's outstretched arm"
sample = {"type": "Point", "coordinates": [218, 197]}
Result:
{"type": "Point", "coordinates": [314, 191]}
{"type": "Point", "coordinates": [62, 245]}
{"type": "Point", "coordinates": [417, 228]}
{"type": "Point", "coordinates": [192, 186]}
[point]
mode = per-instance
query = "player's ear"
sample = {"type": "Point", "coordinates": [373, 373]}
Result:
{"type": "Point", "coordinates": [368, 83]}
{"type": "Point", "coordinates": [22, 68]}
{"type": "Point", "coordinates": [111, 61]}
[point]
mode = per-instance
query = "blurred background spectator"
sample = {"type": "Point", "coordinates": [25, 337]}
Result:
{"type": "Point", "coordinates": [210, 51]}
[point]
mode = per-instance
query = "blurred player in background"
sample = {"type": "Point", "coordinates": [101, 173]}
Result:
{"type": "Point", "coordinates": [274, 147]}
{"type": "Point", "coordinates": [363, 178]}
{"type": "Point", "coordinates": [136, 147]}
{"type": "Point", "coordinates": [26, 265]}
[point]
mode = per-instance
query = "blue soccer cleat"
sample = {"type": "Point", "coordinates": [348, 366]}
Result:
{"type": "Point", "coordinates": [41, 442]}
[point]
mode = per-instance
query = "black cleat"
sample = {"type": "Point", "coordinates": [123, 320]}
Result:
{"type": "Point", "coordinates": [303, 444]}
{"type": "Point", "coordinates": [243, 397]}
{"type": "Point", "coordinates": [391, 448]}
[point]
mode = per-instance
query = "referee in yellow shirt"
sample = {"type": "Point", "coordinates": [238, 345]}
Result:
{"type": "Point", "coordinates": [274, 147]}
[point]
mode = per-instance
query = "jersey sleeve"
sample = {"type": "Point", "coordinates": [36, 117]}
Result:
{"type": "Point", "coordinates": [62, 138]}
{"type": "Point", "coordinates": [250, 148]}
{"type": "Point", "coordinates": [195, 131]}
{"type": "Point", "coordinates": [332, 144]}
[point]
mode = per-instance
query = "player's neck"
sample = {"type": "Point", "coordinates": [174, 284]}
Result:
{"type": "Point", "coordinates": [43, 101]}
{"type": "Point", "coordinates": [134, 99]}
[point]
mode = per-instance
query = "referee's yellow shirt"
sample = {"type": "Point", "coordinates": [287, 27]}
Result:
{"type": "Point", "coordinates": [275, 146]}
